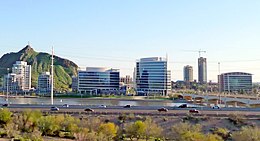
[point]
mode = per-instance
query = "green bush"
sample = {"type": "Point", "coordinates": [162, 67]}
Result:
{"type": "Point", "coordinates": [5, 116]}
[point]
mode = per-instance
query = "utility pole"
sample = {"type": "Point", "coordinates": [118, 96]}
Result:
{"type": "Point", "coordinates": [52, 76]}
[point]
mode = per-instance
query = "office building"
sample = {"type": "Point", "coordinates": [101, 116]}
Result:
{"type": "Point", "coordinates": [23, 74]}
{"type": "Point", "coordinates": [10, 83]}
{"type": "Point", "coordinates": [126, 80]}
{"type": "Point", "coordinates": [74, 84]}
{"type": "Point", "coordinates": [152, 76]}
{"type": "Point", "coordinates": [188, 73]}
{"type": "Point", "coordinates": [235, 82]}
{"type": "Point", "coordinates": [44, 83]}
{"type": "Point", "coordinates": [98, 81]}
{"type": "Point", "coordinates": [202, 70]}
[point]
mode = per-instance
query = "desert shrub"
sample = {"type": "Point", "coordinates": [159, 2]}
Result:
{"type": "Point", "coordinates": [5, 116]}
{"type": "Point", "coordinates": [237, 120]}
{"type": "Point", "coordinates": [136, 130]}
{"type": "Point", "coordinates": [51, 125]}
{"type": "Point", "coordinates": [247, 134]}
{"type": "Point", "coordinates": [28, 121]}
{"type": "Point", "coordinates": [109, 130]}
{"type": "Point", "coordinates": [189, 132]}
{"type": "Point", "coordinates": [84, 134]}
{"type": "Point", "coordinates": [222, 132]}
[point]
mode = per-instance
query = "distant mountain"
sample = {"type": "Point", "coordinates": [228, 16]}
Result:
{"type": "Point", "coordinates": [41, 62]}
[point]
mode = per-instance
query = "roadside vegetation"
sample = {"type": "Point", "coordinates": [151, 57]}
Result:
{"type": "Point", "coordinates": [35, 126]}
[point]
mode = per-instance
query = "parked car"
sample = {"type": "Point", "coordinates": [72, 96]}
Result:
{"type": "Point", "coordinates": [127, 106]}
{"type": "Point", "coordinates": [55, 109]}
{"type": "Point", "coordinates": [194, 111]}
{"type": "Point", "coordinates": [183, 106]}
{"type": "Point", "coordinates": [102, 106]}
{"type": "Point", "coordinates": [163, 109]}
{"type": "Point", "coordinates": [216, 107]}
{"type": "Point", "coordinates": [66, 105]}
{"type": "Point", "coordinates": [89, 110]}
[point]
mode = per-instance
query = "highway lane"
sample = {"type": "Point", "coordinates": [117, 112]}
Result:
{"type": "Point", "coordinates": [142, 110]}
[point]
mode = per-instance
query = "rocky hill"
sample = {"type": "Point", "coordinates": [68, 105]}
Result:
{"type": "Point", "coordinates": [41, 62]}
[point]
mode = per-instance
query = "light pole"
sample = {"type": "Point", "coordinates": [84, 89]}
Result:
{"type": "Point", "coordinates": [7, 86]}
{"type": "Point", "coordinates": [219, 91]}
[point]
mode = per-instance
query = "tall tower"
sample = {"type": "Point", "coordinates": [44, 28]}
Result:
{"type": "Point", "coordinates": [188, 73]}
{"type": "Point", "coordinates": [202, 70]}
{"type": "Point", "coordinates": [23, 73]}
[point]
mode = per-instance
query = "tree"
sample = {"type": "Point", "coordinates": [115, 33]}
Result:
{"type": "Point", "coordinates": [152, 129]}
{"type": "Point", "coordinates": [109, 130]}
{"type": "Point", "coordinates": [28, 121]}
{"type": "Point", "coordinates": [188, 132]}
{"type": "Point", "coordinates": [247, 134]}
{"type": "Point", "coordinates": [136, 130]}
{"type": "Point", "coordinates": [84, 134]}
{"type": "Point", "coordinates": [5, 116]}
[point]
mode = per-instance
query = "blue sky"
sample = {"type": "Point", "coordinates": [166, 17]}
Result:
{"type": "Point", "coordinates": [114, 33]}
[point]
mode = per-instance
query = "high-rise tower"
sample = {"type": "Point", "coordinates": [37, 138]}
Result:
{"type": "Point", "coordinates": [187, 73]}
{"type": "Point", "coordinates": [202, 70]}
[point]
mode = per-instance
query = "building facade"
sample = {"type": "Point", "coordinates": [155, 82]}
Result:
{"type": "Point", "coordinates": [44, 83]}
{"type": "Point", "coordinates": [187, 73]}
{"type": "Point", "coordinates": [235, 82]}
{"type": "Point", "coordinates": [74, 84]}
{"type": "Point", "coordinates": [98, 81]}
{"type": "Point", "coordinates": [202, 70]}
{"type": "Point", "coordinates": [10, 83]}
{"type": "Point", "coordinates": [126, 80]}
{"type": "Point", "coordinates": [152, 76]}
{"type": "Point", "coordinates": [23, 74]}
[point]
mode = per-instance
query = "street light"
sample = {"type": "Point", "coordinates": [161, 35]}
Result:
{"type": "Point", "coordinates": [7, 87]}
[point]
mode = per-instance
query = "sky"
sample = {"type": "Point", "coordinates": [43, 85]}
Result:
{"type": "Point", "coordinates": [115, 33]}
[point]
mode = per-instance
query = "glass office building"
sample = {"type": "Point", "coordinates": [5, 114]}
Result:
{"type": "Point", "coordinates": [98, 81]}
{"type": "Point", "coordinates": [235, 82]}
{"type": "Point", "coordinates": [152, 76]}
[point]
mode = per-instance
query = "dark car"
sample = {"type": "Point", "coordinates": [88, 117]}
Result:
{"type": "Point", "coordinates": [89, 110]}
{"type": "Point", "coordinates": [5, 105]}
{"type": "Point", "coordinates": [55, 109]}
{"type": "Point", "coordinates": [183, 106]}
{"type": "Point", "coordinates": [127, 106]}
{"type": "Point", "coordinates": [194, 111]}
{"type": "Point", "coordinates": [163, 109]}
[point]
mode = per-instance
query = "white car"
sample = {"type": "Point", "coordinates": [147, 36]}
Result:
{"type": "Point", "coordinates": [65, 105]}
{"type": "Point", "coordinates": [102, 106]}
{"type": "Point", "coordinates": [216, 107]}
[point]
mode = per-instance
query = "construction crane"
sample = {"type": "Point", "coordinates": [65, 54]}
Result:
{"type": "Point", "coordinates": [200, 51]}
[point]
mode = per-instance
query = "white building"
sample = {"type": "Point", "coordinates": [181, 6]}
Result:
{"type": "Point", "coordinates": [44, 82]}
{"type": "Point", "coordinates": [23, 75]}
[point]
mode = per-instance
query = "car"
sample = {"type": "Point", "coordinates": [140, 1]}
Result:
{"type": "Point", "coordinates": [194, 111]}
{"type": "Point", "coordinates": [102, 106]}
{"type": "Point", "coordinates": [183, 106]}
{"type": "Point", "coordinates": [6, 105]}
{"type": "Point", "coordinates": [163, 109]}
{"type": "Point", "coordinates": [66, 105]}
{"type": "Point", "coordinates": [89, 110]}
{"type": "Point", "coordinates": [127, 106]}
{"type": "Point", "coordinates": [55, 109]}
{"type": "Point", "coordinates": [216, 107]}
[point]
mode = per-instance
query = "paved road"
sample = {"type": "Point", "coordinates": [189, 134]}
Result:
{"type": "Point", "coordinates": [142, 110]}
